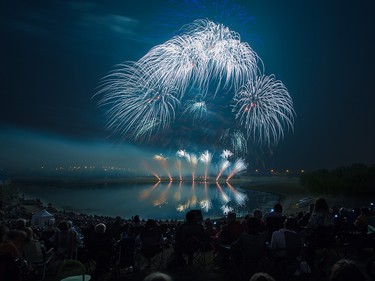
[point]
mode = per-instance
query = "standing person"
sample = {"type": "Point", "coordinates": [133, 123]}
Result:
{"type": "Point", "coordinates": [320, 217]}
{"type": "Point", "coordinates": [136, 227]}
{"type": "Point", "coordinates": [319, 230]}
{"type": "Point", "coordinates": [250, 248]}
{"type": "Point", "coordinates": [274, 220]}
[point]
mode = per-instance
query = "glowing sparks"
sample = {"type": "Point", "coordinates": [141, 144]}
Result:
{"type": "Point", "coordinates": [263, 107]}
{"type": "Point", "coordinates": [184, 75]}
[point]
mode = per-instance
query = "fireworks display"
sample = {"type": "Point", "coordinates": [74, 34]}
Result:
{"type": "Point", "coordinates": [205, 72]}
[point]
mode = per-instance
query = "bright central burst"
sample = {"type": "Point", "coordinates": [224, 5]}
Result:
{"type": "Point", "coordinates": [184, 76]}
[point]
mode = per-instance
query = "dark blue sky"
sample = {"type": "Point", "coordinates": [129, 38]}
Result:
{"type": "Point", "coordinates": [54, 53]}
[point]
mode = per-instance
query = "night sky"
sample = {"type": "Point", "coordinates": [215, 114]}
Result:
{"type": "Point", "coordinates": [54, 54]}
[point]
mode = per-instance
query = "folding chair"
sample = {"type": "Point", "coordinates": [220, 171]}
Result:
{"type": "Point", "coordinates": [72, 270]}
{"type": "Point", "coordinates": [126, 256]}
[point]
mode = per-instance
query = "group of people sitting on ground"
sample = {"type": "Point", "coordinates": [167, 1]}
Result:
{"type": "Point", "coordinates": [232, 240]}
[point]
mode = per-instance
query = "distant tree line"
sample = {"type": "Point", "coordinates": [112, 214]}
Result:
{"type": "Point", "coordinates": [355, 180]}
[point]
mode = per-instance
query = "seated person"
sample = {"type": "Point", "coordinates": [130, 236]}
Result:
{"type": "Point", "coordinates": [278, 242]}
{"type": "Point", "coordinates": [100, 248]}
{"type": "Point", "coordinates": [150, 240]}
{"type": "Point", "coordinates": [9, 253]}
{"type": "Point", "coordinates": [250, 247]}
{"type": "Point", "coordinates": [189, 238]}
{"type": "Point", "coordinates": [65, 241]}
{"type": "Point", "coordinates": [230, 231]}
{"type": "Point", "coordinates": [33, 250]}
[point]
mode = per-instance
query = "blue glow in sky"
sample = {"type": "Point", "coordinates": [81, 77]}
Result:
{"type": "Point", "coordinates": [54, 53]}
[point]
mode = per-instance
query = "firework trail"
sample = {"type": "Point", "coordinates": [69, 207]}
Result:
{"type": "Point", "coordinates": [236, 141]}
{"type": "Point", "coordinates": [160, 158]}
{"type": "Point", "coordinates": [206, 158]}
{"type": "Point", "coordinates": [239, 166]}
{"type": "Point", "coordinates": [193, 163]}
{"type": "Point", "coordinates": [147, 167]}
{"type": "Point", "coordinates": [196, 108]}
{"type": "Point", "coordinates": [179, 168]}
{"type": "Point", "coordinates": [264, 107]}
{"type": "Point", "coordinates": [224, 164]}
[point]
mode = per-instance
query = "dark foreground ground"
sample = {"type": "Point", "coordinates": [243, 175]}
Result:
{"type": "Point", "coordinates": [204, 268]}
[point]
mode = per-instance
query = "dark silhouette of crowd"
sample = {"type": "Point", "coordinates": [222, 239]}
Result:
{"type": "Point", "coordinates": [272, 246]}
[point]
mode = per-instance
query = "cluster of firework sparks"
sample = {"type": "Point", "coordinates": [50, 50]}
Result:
{"type": "Point", "coordinates": [204, 71]}
{"type": "Point", "coordinates": [199, 166]}
{"type": "Point", "coordinates": [184, 75]}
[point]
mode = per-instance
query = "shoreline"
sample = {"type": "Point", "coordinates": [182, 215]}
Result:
{"type": "Point", "coordinates": [288, 189]}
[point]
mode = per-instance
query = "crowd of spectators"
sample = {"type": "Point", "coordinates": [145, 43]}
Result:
{"type": "Point", "coordinates": [231, 240]}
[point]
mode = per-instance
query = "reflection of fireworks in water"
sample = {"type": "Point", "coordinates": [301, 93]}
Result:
{"type": "Point", "coordinates": [197, 196]}
{"type": "Point", "coordinates": [239, 197]}
{"type": "Point", "coordinates": [224, 196]}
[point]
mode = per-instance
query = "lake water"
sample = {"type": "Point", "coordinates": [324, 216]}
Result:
{"type": "Point", "coordinates": [161, 200]}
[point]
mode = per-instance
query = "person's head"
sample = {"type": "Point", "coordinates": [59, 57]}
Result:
{"type": "Point", "coordinates": [257, 214]}
{"type": "Point", "coordinates": [158, 276]}
{"type": "Point", "coordinates": [150, 223]}
{"type": "Point", "coordinates": [278, 208]}
{"type": "Point", "coordinates": [231, 216]}
{"type": "Point", "coordinates": [136, 219]}
{"type": "Point", "coordinates": [261, 276]}
{"type": "Point", "coordinates": [20, 224]}
{"type": "Point", "coordinates": [63, 226]}
{"type": "Point", "coordinates": [190, 217]}
{"type": "Point", "coordinates": [100, 228]}
{"type": "Point", "coordinates": [321, 205]}
{"type": "Point", "coordinates": [345, 270]}
{"type": "Point", "coordinates": [252, 225]}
